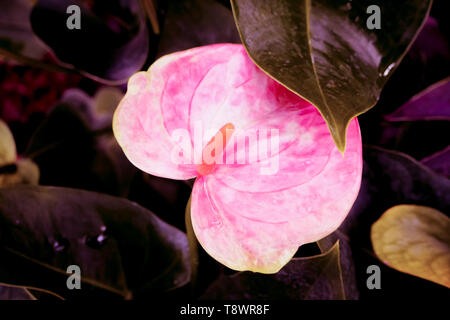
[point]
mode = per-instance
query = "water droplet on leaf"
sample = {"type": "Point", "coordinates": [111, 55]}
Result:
{"type": "Point", "coordinates": [388, 69]}
{"type": "Point", "coordinates": [101, 238]}
{"type": "Point", "coordinates": [60, 244]}
{"type": "Point", "coordinates": [97, 241]}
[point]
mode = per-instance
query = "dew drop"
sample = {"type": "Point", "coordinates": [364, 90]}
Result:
{"type": "Point", "coordinates": [388, 69]}
{"type": "Point", "coordinates": [60, 245]}
{"type": "Point", "coordinates": [101, 238]}
{"type": "Point", "coordinates": [97, 241]}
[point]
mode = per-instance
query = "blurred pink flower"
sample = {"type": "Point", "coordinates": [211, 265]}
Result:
{"type": "Point", "coordinates": [245, 218]}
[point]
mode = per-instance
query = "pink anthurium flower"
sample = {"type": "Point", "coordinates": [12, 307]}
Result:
{"type": "Point", "coordinates": [269, 177]}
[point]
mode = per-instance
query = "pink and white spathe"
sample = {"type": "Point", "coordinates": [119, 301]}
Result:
{"type": "Point", "coordinates": [242, 216]}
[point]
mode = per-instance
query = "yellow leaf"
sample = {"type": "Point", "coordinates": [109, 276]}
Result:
{"type": "Point", "coordinates": [27, 173]}
{"type": "Point", "coordinates": [7, 145]}
{"type": "Point", "coordinates": [415, 240]}
{"type": "Point", "coordinates": [106, 100]}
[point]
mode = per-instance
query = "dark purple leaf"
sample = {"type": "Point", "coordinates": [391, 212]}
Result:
{"type": "Point", "coordinates": [418, 139]}
{"type": "Point", "coordinates": [310, 278]}
{"type": "Point", "coordinates": [431, 104]}
{"type": "Point", "coordinates": [427, 62]}
{"type": "Point", "coordinates": [391, 178]}
{"type": "Point", "coordinates": [16, 35]}
{"type": "Point", "coordinates": [416, 127]}
{"type": "Point", "coordinates": [121, 248]}
{"type": "Point", "coordinates": [111, 44]}
{"type": "Point", "coordinates": [439, 162]}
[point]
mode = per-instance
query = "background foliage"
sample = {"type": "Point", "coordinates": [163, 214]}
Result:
{"type": "Point", "coordinates": [84, 203]}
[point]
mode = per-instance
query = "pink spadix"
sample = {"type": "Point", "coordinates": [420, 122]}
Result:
{"type": "Point", "coordinates": [207, 167]}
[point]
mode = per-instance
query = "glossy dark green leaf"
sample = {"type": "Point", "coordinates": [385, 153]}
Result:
{"type": "Point", "coordinates": [346, 261]}
{"type": "Point", "coordinates": [120, 247]}
{"type": "Point", "coordinates": [426, 63]}
{"type": "Point", "coordinates": [111, 45]}
{"type": "Point", "coordinates": [311, 278]}
{"type": "Point", "coordinates": [324, 51]}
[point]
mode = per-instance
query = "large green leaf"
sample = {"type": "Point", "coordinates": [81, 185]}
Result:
{"type": "Point", "coordinates": [308, 278]}
{"type": "Point", "coordinates": [121, 248]}
{"type": "Point", "coordinates": [416, 240]}
{"type": "Point", "coordinates": [323, 50]}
